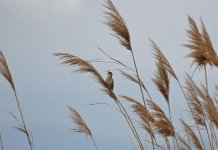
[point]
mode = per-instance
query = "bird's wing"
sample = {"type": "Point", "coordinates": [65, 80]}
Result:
{"type": "Point", "coordinates": [112, 87]}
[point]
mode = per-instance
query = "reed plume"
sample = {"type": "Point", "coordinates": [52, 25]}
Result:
{"type": "Point", "coordinates": [162, 124]}
{"type": "Point", "coordinates": [81, 126]}
{"type": "Point", "coordinates": [202, 51]}
{"type": "Point", "coordinates": [162, 59]}
{"type": "Point", "coordinates": [210, 107]}
{"type": "Point", "coordinates": [183, 143]}
{"type": "Point", "coordinates": [195, 103]}
{"type": "Point", "coordinates": [162, 80]}
{"type": "Point", "coordinates": [117, 24]}
{"type": "Point", "coordinates": [212, 114]}
{"type": "Point", "coordinates": [5, 72]}
{"type": "Point", "coordinates": [143, 114]}
{"type": "Point", "coordinates": [208, 46]}
{"type": "Point", "coordinates": [195, 44]}
{"type": "Point", "coordinates": [193, 136]}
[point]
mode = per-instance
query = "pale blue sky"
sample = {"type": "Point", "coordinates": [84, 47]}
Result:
{"type": "Point", "coordinates": [32, 30]}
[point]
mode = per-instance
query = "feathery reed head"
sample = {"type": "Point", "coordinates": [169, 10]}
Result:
{"type": "Point", "coordinates": [162, 124]}
{"type": "Point", "coordinates": [4, 70]}
{"type": "Point", "coordinates": [162, 59]}
{"type": "Point", "coordinates": [183, 143]}
{"type": "Point", "coordinates": [209, 50]}
{"type": "Point", "coordinates": [210, 107]}
{"type": "Point", "coordinates": [85, 67]}
{"type": "Point", "coordinates": [162, 81]}
{"type": "Point", "coordinates": [81, 126]}
{"type": "Point", "coordinates": [142, 113]}
{"type": "Point", "coordinates": [195, 103]}
{"type": "Point", "coordinates": [117, 24]}
{"type": "Point", "coordinates": [201, 107]}
{"type": "Point", "coordinates": [202, 51]}
{"type": "Point", "coordinates": [193, 136]}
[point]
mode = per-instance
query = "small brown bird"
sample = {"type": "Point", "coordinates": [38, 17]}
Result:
{"type": "Point", "coordinates": [109, 80]}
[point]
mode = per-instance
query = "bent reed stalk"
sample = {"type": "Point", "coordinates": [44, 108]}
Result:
{"type": "Point", "coordinates": [81, 126]}
{"type": "Point", "coordinates": [87, 67]}
{"type": "Point", "coordinates": [4, 70]}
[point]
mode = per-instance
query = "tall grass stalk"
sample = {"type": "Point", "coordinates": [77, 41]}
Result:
{"type": "Point", "coordinates": [4, 70]}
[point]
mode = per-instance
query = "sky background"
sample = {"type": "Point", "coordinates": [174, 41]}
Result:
{"type": "Point", "coordinates": [32, 30]}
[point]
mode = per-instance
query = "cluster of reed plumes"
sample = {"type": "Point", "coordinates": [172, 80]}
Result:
{"type": "Point", "coordinates": [152, 118]}
{"type": "Point", "coordinates": [198, 133]}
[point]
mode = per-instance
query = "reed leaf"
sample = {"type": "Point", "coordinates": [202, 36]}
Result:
{"type": "Point", "coordinates": [134, 79]}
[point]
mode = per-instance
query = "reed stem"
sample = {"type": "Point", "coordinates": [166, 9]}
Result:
{"type": "Point", "coordinates": [191, 113]}
{"type": "Point", "coordinates": [94, 143]}
{"type": "Point", "coordinates": [23, 122]}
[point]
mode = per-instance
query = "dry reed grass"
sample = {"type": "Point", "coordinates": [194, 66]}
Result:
{"type": "Point", "coordinates": [5, 72]}
{"type": "Point", "coordinates": [81, 126]}
{"type": "Point", "coordinates": [153, 120]}
{"type": "Point", "coordinates": [117, 24]}
{"type": "Point", "coordinates": [86, 67]}
{"type": "Point", "coordinates": [193, 136]}
{"type": "Point", "coordinates": [202, 51]}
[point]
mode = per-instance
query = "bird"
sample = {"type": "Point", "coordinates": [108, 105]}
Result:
{"type": "Point", "coordinates": [109, 80]}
